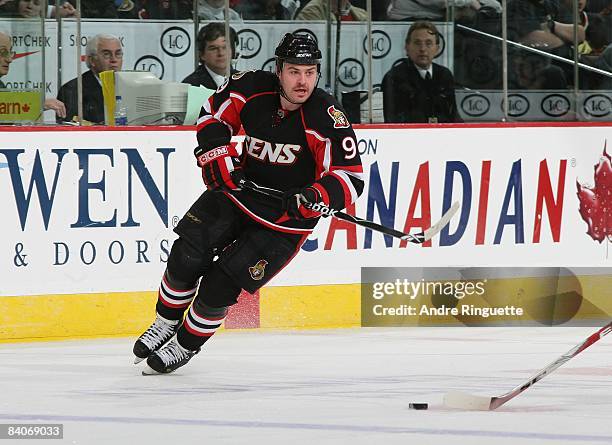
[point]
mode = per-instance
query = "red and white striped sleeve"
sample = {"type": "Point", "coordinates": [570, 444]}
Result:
{"type": "Point", "coordinates": [220, 115]}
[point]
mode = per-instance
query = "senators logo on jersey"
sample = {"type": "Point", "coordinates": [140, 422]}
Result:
{"type": "Point", "coordinates": [340, 120]}
{"type": "Point", "coordinates": [258, 270]}
{"type": "Point", "coordinates": [273, 153]}
{"type": "Point", "coordinates": [239, 74]}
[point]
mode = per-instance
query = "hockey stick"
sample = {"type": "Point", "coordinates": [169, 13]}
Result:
{"type": "Point", "coordinates": [417, 238]}
{"type": "Point", "coordinates": [457, 399]}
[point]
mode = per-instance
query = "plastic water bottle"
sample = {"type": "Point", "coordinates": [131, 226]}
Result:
{"type": "Point", "coordinates": [120, 112]}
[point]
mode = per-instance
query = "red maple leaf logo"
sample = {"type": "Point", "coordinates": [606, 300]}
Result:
{"type": "Point", "coordinates": [596, 202]}
{"type": "Point", "coordinates": [25, 108]}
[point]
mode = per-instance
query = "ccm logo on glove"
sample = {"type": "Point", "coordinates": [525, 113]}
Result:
{"type": "Point", "coordinates": [208, 156]}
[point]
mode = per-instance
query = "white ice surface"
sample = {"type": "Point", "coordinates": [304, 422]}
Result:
{"type": "Point", "coordinates": [348, 386]}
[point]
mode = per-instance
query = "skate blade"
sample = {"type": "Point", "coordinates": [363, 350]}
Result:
{"type": "Point", "coordinates": [150, 371]}
{"type": "Point", "coordinates": [138, 360]}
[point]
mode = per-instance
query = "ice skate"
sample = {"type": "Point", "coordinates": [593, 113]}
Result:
{"type": "Point", "coordinates": [154, 337]}
{"type": "Point", "coordinates": [167, 359]}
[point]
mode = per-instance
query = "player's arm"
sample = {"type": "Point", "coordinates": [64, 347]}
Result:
{"type": "Point", "coordinates": [339, 170]}
{"type": "Point", "coordinates": [219, 120]}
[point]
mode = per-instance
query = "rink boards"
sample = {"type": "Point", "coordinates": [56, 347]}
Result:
{"type": "Point", "coordinates": [88, 216]}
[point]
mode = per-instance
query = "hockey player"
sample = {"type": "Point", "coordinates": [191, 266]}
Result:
{"type": "Point", "coordinates": [298, 140]}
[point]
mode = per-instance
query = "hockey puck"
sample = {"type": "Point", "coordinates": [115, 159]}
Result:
{"type": "Point", "coordinates": [418, 405]}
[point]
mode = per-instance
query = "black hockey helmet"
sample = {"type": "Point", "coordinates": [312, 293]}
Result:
{"type": "Point", "coordinates": [298, 48]}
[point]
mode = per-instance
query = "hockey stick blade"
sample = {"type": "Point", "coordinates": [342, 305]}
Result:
{"type": "Point", "coordinates": [461, 400]}
{"type": "Point", "coordinates": [437, 227]}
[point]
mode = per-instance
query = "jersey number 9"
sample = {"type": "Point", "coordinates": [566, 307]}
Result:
{"type": "Point", "coordinates": [350, 147]}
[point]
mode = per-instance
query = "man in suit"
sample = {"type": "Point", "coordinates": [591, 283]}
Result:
{"type": "Point", "coordinates": [103, 53]}
{"type": "Point", "coordinates": [416, 89]}
{"type": "Point", "coordinates": [6, 58]}
{"type": "Point", "coordinates": [215, 56]}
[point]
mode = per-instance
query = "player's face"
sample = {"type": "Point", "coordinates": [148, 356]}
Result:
{"type": "Point", "coordinates": [6, 54]}
{"type": "Point", "coordinates": [109, 57]}
{"type": "Point", "coordinates": [216, 56]}
{"type": "Point", "coordinates": [422, 48]}
{"type": "Point", "coordinates": [298, 81]}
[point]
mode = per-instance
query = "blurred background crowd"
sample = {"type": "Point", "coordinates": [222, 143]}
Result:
{"type": "Point", "coordinates": [560, 45]}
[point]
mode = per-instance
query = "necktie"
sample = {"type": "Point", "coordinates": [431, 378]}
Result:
{"type": "Point", "coordinates": [427, 76]}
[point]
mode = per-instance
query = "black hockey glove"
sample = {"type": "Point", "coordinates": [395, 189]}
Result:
{"type": "Point", "coordinates": [219, 169]}
{"type": "Point", "coordinates": [305, 203]}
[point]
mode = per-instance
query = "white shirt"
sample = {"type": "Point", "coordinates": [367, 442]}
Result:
{"type": "Point", "coordinates": [217, 78]}
{"type": "Point", "coordinates": [423, 72]}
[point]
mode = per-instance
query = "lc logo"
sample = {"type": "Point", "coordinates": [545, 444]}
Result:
{"type": "Point", "coordinates": [351, 72]}
{"type": "Point", "coordinates": [598, 105]}
{"type": "Point", "coordinates": [152, 64]}
{"type": "Point", "coordinates": [475, 105]}
{"type": "Point", "coordinates": [273, 153]}
{"type": "Point", "coordinates": [381, 44]}
{"type": "Point", "coordinates": [175, 41]}
{"type": "Point", "coordinates": [249, 43]}
{"type": "Point", "coordinates": [555, 105]}
{"type": "Point", "coordinates": [518, 105]}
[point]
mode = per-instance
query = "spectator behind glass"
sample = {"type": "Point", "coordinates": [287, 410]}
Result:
{"type": "Point", "coordinates": [416, 89]}
{"type": "Point", "coordinates": [103, 53]}
{"type": "Point", "coordinates": [604, 62]}
{"type": "Point", "coordinates": [414, 10]}
{"type": "Point", "coordinates": [6, 55]}
{"type": "Point", "coordinates": [215, 56]}
{"type": "Point", "coordinates": [263, 10]}
{"type": "Point", "coordinates": [531, 71]}
{"type": "Point", "coordinates": [97, 9]}
{"type": "Point", "coordinates": [21, 8]}
{"type": "Point", "coordinates": [166, 9]}
{"type": "Point", "coordinates": [534, 23]}
{"type": "Point", "coordinates": [599, 6]}
{"type": "Point", "coordinates": [6, 58]}
{"type": "Point", "coordinates": [33, 8]}
{"type": "Point", "coordinates": [215, 10]}
{"type": "Point", "coordinates": [545, 25]}
{"type": "Point", "coordinates": [319, 10]}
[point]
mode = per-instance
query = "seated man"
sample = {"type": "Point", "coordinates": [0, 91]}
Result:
{"type": "Point", "coordinates": [319, 10]}
{"type": "Point", "coordinates": [263, 10]}
{"type": "Point", "coordinates": [530, 71]}
{"type": "Point", "coordinates": [215, 56]}
{"type": "Point", "coordinates": [415, 10]}
{"type": "Point", "coordinates": [6, 58]}
{"type": "Point", "coordinates": [215, 10]}
{"type": "Point", "coordinates": [6, 55]}
{"type": "Point", "coordinates": [416, 89]}
{"type": "Point", "coordinates": [536, 23]}
{"type": "Point", "coordinates": [103, 53]}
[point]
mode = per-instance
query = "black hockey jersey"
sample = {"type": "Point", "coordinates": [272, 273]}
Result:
{"type": "Point", "coordinates": [313, 145]}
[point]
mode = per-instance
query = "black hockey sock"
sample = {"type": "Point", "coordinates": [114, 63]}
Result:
{"type": "Point", "coordinates": [200, 325]}
{"type": "Point", "coordinates": [174, 297]}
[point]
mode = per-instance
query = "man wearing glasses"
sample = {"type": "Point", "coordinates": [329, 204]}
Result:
{"type": "Point", "coordinates": [6, 56]}
{"type": "Point", "coordinates": [103, 53]}
{"type": "Point", "coordinates": [417, 89]}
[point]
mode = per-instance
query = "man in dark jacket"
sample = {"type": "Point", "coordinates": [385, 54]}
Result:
{"type": "Point", "coordinates": [97, 9]}
{"type": "Point", "coordinates": [416, 89]}
{"type": "Point", "coordinates": [215, 56]}
{"type": "Point", "coordinates": [104, 53]}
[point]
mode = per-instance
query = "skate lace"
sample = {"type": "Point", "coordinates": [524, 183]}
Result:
{"type": "Point", "coordinates": [172, 353]}
{"type": "Point", "coordinates": [157, 333]}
